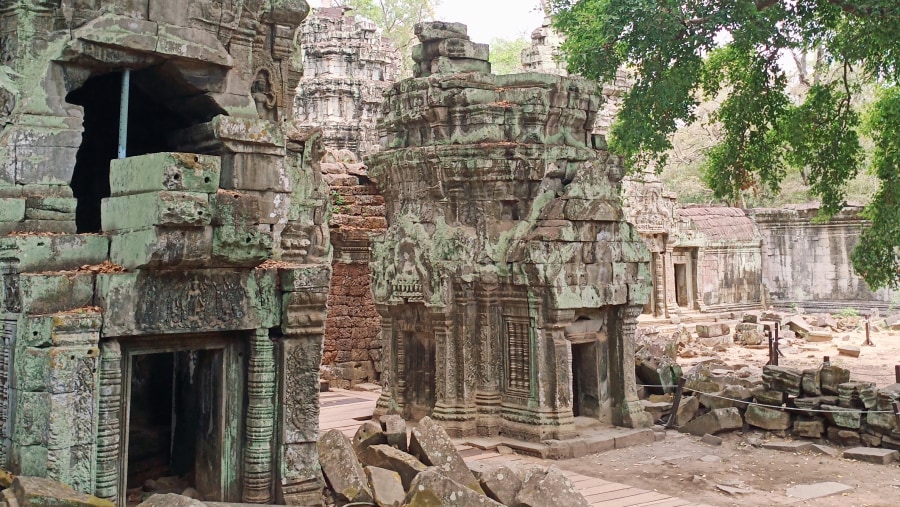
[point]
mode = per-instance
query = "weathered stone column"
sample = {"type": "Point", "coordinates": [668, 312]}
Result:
{"type": "Point", "coordinates": [627, 409]}
{"type": "Point", "coordinates": [109, 425]}
{"type": "Point", "coordinates": [257, 480]}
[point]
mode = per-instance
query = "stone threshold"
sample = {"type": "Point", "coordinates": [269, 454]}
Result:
{"type": "Point", "coordinates": [592, 441]}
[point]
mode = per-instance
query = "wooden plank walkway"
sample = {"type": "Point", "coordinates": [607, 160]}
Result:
{"type": "Point", "coordinates": [345, 410]}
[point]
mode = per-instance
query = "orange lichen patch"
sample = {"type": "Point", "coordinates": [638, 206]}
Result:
{"type": "Point", "coordinates": [106, 267]}
{"type": "Point", "coordinates": [272, 263]}
{"type": "Point", "coordinates": [502, 103]}
{"type": "Point", "coordinates": [83, 310]}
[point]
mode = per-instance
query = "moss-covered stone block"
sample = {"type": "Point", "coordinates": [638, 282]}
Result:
{"type": "Point", "coordinates": [42, 293]}
{"type": "Point", "coordinates": [266, 296]}
{"type": "Point", "coordinates": [162, 247]}
{"type": "Point", "coordinates": [234, 208]}
{"type": "Point", "coordinates": [79, 329]}
{"type": "Point", "coordinates": [42, 492]}
{"type": "Point", "coordinates": [303, 278]}
{"type": "Point", "coordinates": [12, 210]}
{"type": "Point", "coordinates": [169, 209]}
{"type": "Point", "coordinates": [241, 245]}
{"type": "Point", "coordinates": [186, 172]}
{"type": "Point", "coordinates": [56, 370]}
{"type": "Point", "coordinates": [50, 208]}
{"type": "Point", "coordinates": [56, 421]}
{"type": "Point", "coordinates": [54, 252]}
{"type": "Point", "coordinates": [30, 460]}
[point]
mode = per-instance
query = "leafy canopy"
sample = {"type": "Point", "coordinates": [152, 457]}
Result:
{"type": "Point", "coordinates": [506, 55]}
{"type": "Point", "coordinates": [678, 48]}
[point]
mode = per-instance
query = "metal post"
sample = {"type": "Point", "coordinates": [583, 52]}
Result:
{"type": "Point", "coordinates": [123, 112]}
{"type": "Point", "coordinates": [897, 373]}
{"type": "Point", "coordinates": [868, 341]}
{"type": "Point", "coordinates": [676, 402]}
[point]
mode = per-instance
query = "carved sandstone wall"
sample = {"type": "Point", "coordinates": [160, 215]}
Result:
{"type": "Point", "coordinates": [507, 281]}
{"type": "Point", "coordinates": [808, 263]}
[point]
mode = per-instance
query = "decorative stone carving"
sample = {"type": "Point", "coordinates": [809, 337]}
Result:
{"type": "Point", "coordinates": [109, 424]}
{"type": "Point", "coordinates": [505, 231]}
{"type": "Point", "coordinates": [261, 379]}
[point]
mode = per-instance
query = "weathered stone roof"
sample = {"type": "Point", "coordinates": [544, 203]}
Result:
{"type": "Point", "coordinates": [721, 223]}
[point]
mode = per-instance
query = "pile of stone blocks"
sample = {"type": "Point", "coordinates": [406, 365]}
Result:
{"type": "Point", "coordinates": [813, 403]}
{"type": "Point", "coordinates": [446, 49]}
{"type": "Point", "coordinates": [385, 467]}
{"type": "Point", "coordinates": [40, 492]}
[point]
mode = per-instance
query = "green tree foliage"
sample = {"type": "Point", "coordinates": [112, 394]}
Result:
{"type": "Point", "coordinates": [506, 55]}
{"type": "Point", "coordinates": [679, 48]}
{"type": "Point", "coordinates": [396, 19]}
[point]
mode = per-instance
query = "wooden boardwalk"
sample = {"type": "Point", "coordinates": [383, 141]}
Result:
{"type": "Point", "coordinates": [345, 410]}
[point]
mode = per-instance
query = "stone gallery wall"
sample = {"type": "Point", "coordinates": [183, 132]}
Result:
{"type": "Point", "coordinates": [807, 263]}
{"type": "Point", "coordinates": [204, 241]}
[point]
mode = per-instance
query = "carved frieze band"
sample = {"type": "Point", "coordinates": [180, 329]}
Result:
{"type": "Point", "coordinates": [109, 423]}
{"type": "Point", "coordinates": [260, 420]}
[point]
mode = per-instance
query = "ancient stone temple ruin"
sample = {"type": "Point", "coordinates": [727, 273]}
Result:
{"type": "Point", "coordinates": [347, 66]}
{"type": "Point", "coordinates": [165, 274]}
{"type": "Point", "coordinates": [508, 282]}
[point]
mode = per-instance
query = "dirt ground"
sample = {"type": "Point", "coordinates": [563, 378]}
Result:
{"type": "Point", "coordinates": [683, 466]}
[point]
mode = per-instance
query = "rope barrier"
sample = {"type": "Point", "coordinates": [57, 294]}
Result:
{"type": "Point", "coordinates": [797, 409]}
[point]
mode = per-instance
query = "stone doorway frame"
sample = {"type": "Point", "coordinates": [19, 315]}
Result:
{"type": "Point", "coordinates": [233, 346]}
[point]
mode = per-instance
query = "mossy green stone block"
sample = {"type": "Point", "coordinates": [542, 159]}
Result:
{"type": "Point", "coordinates": [234, 208]}
{"type": "Point", "coordinates": [265, 296]}
{"type": "Point", "coordinates": [304, 278]}
{"type": "Point", "coordinates": [156, 172]}
{"type": "Point", "coordinates": [63, 329]}
{"type": "Point", "coordinates": [56, 370]}
{"type": "Point", "coordinates": [55, 252]}
{"type": "Point", "coordinates": [32, 460]}
{"type": "Point", "coordinates": [31, 425]}
{"type": "Point", "coordinates": [162, 247]}
{"type": "Point", "coordinates": [42, 293]}
{"type": "Point", "coordinates": [56, 421]}
{"type": "Point", "coordinates": [12, 210]}
{"type": "Point", "coordinates": [639, 293]}
{"type": "Point", "coordinates": [241, 245]}
{"type": "Point", "coordinates": [141, 211]}
{"type": "Point", "coordinates": [58, 204]}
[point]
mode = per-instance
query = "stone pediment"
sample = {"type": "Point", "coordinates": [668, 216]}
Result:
{"type": "Point", "coordinates": [140, 36]}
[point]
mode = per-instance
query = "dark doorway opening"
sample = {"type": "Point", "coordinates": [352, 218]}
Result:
{"type": "Point", "coordinates": [585, 380]}
{"type": "Point", "coordinates": [160, 102]}
{"type": "Point", "coordinates": [420, 367]}
{"type": "Point", "coordinates": [681, 285]}
{"type": "Point", "coordinates": [175, 421]}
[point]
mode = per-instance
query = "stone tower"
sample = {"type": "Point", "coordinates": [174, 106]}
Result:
{"type": "Point", "coordinates": [165, 253]}
{"type": "Point", "coordinates": [347, 65]}
{"type": "Point", "coordinates": [508, 281]}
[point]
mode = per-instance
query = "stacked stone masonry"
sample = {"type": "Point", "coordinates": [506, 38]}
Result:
{"type": "Point", "coordinates": [346, 67]}
{"type": "Point", "coordinates": [188, 276]}
{"type": "Point", "coordinates": [508, 282]}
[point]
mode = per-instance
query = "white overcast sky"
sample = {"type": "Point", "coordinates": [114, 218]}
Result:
{"type": "Point", "coordinates": [489, 19]}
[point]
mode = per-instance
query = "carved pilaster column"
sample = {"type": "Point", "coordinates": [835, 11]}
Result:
{"type": "Point", "coordinates": [659, 283]}
{"type": "Point", "coordinates": [629, 411]}
{"type": "Point", "coordinates": [260, 419]}
{"type": "Point", "coordinates": [487, 394]}
{"type": "Point", "coordinates": [109, 424]}
{"type": "Point", "coordinates": [389, 398]}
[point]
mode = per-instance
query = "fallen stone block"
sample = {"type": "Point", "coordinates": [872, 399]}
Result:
{"type": "Point", "coordinates": [833, 376]}
{"type": "Point", "coordinates": [430, 443]}
{"type": "Point", "coordinates": [767, 418]}
{"type": "Point", "coordinates": [40, 492]}
{"type": "Point", "coordinates": [395, 431]}
{"type": "Point", "coordinates": [436, 30]}
{"type": "Point", "coordinates": [819, 335]}
{"type": "Point", "coordinates": [885, 422]}
{"type": "Point", "coordinates": [817, 490]}
{"type": "Point", "coordinates": [499, 482]}
{"type": "Point", "coordinates": [811, 383]}
{"type": "Point", "coordinates": [171, 500]}
{"type": "Point", "coordinates": [385, 456]}
{"type": "Point", "coordinates": [824, 449]}
{"type": "Point", "coordinates": [387, 488]}
{"type": "Point", "coordinates": [782, 378]}
{"type": "Point", "coordinates": [849, 350]}
{"type": "Point", "coordinates": [843, 437]}
{"type": "Point", "coordinates": [872, 455]}
{"type": "Point", "coordinates": [798, 324]}
{"type": "Point", "coordinates": [433, 489]}
{"type": "Point", "coordinates": [543, 488]}
{"type": "Point", "coordinates": [712, 330]}
{"type": "Point", "coordinates": [369, 433]}
{"type": "Point", "coordinates": [716, 421]}
{"type": "Point", "coordinates": [795, 446]}
{"type": "Point", "coordinates": [687, 409]}
{"type": "Point", "coordinates": [711, 439]}
{"type": "Point", "coordinates": [809, 428]}
{"type": "Point", "coordinates": [341, 468]}
{"type": "Point", "coordinates": [857, 395]}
